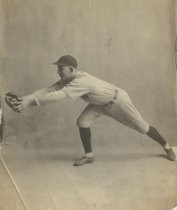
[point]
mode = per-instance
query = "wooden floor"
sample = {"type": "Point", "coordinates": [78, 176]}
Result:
{"type": "Point", "coordinates": [136, 177]}
{"type": "Point", "coordinates": [9, 195]}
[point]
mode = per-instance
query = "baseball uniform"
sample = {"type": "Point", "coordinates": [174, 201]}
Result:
{"type": "Point", "coordinates": [103, 98]}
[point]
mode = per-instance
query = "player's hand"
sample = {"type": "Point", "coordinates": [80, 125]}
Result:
{"type": "Point", "coordinates": [25, 103]}
{"type": "Point", "coordinates": [13, 100]}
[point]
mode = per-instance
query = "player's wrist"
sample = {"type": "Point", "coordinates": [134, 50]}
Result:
{"type": "Point", "coordinates": [28, 101]}
{"type": "Point", "coordinates": [28, 97]}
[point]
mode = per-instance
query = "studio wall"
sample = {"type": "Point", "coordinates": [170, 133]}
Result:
{"type": "Point", "coordinates": [127, 42]}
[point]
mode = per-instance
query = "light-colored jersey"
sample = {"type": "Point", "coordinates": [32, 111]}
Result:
{"type": "Point", "coordinates": [97, 93]}
{"type": "Point", "coordinates": [89, 88]}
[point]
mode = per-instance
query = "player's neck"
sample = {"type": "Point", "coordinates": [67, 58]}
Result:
{"type": "Point", "coordinates": [74, 73]}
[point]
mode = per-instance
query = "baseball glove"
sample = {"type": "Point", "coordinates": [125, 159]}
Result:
{"type": "Point", "coordinates": [12, 100]}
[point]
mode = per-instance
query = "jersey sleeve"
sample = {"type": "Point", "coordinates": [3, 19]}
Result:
{"type": "Point", "coordinates": [55, 87]}
{"type": "Point", "coordinates": [76, 88]}
{"type": "Point", "coordinates": [50, 97]}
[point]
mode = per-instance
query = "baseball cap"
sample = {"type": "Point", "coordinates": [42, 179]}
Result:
{"type": "Point", "coordinates": [66, 60]}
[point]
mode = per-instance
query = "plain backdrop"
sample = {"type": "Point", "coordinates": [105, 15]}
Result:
{"type": "Point", "coordinates": [126, 42]}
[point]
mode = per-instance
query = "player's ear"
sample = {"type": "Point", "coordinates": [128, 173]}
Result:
{"type": "Point", "coordinates": [71, 69]}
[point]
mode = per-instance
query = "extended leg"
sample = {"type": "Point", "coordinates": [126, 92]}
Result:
{"type": "Point", "coordinates": [155, 135]}
{"type": "Point", "coordinates": [124, 112]}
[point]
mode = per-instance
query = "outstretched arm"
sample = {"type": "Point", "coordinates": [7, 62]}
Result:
{"type": "Point", "coordinates": [19, 103]}
{"type": "Point", "coordinates": [50, 97]}
{"type": "Point", "coordinates": [37, 100]}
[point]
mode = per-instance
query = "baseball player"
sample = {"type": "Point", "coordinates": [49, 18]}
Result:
{"type": "Point", "coordinates": [103, 99]}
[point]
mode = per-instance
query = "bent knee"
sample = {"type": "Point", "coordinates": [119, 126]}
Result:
{"type": "Point", "coordinates": [144, 129]}
{"type": "Point", "coordinates": [83, 123]}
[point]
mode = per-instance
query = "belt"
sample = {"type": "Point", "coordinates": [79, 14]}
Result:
{"type": "Point", "coordinates": [114, 98]}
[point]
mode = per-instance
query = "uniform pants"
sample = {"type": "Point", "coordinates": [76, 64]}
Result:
{"type": "Point", "coordinates": [122, 110]}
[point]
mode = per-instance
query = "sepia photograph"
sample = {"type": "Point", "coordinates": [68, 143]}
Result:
{"type": "Point", "coordinates": [88, 105]}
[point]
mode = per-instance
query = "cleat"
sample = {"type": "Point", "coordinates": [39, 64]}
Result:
{"type": "Point", "coordinates": [84, 160]}
{"type": "Point", "coordinates": [170, 154]}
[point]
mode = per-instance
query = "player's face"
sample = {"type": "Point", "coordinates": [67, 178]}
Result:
{"type": "Point", "coordinates": [65, 72]}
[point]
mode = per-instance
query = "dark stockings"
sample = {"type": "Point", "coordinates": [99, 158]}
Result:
{"type": "Point", "coordinates": [85, 134]}
{"type": "Point", "coordinates": [155, 135]}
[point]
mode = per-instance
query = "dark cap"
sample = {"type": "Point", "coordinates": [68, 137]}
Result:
{"type": "Point", "coordinates": [66, 60]}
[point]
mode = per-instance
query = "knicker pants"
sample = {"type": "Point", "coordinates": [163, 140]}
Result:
{"type": "Point", "coordinates": [122, 110]}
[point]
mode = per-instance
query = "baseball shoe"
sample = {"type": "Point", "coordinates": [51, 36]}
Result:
{"type": "Point", "coordinates": [170, 154]}
{"type": "Point", "coordinates": [84, 160]}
